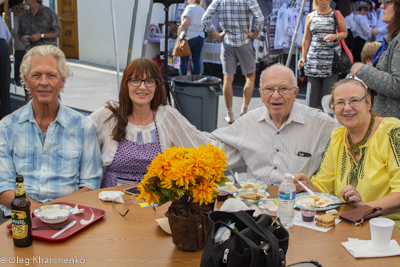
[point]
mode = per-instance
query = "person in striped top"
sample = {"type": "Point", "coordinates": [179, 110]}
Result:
{"type": "Point", "coordinates": [281, 137]}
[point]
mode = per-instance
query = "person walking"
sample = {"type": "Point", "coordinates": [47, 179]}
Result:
{"type": "Point", "coordinates": [319, 43]}
{"type": "Point", "coordinates": [235, 19]}
{"type": "Point", "coordinates": [191, 23]}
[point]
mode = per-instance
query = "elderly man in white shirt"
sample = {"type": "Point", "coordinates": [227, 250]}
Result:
{"type": "Point", "coordinates": [282, 137]}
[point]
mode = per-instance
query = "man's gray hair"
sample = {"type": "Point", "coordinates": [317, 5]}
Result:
{"type": "Point", "coordinates": [45, 50]}
{"type": "Point", "coordinates": [280, 66]}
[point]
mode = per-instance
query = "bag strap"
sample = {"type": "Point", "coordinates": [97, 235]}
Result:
{"type": "Point", "coordinates": [268, 235]}
{"type": "Point", "coordinates": [335, 18]}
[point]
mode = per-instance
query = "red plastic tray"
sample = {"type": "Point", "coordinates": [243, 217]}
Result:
{"type": "Point", "coordinates": [46, 233]}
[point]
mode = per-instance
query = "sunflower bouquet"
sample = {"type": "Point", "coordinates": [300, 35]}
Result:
{"type": "Point", "coordinates": [194, 173]}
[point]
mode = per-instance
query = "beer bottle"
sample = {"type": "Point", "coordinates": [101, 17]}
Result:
{"type": "Point", "coordinates": [21, 216]}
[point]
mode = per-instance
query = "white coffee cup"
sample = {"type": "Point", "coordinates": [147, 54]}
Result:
{"type": "Point", "coordinates": [381, 233]}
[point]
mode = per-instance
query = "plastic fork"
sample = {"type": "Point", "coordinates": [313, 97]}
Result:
{"type": "Point", "coordinates": [235, 177]}
{"type": "Point", "coordinates": [51, 226]}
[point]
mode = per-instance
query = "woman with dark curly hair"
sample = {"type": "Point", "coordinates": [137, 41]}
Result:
{"type": "Point", "coordinates": [383, 78]}
{"type": "Point", "coordinates": [133, 131]}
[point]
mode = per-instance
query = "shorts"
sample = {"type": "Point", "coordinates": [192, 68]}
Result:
{"type": "Point", "coordinates": [230, 56]}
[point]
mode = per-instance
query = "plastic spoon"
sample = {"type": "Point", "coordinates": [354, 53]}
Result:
{"type": "Point", "coordinates": [305, 187]}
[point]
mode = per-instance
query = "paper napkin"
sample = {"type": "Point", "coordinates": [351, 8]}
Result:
{"type": "Point", "coordinates": [363, 249]}
{"type": "Point", "coordinates": [112, 195]}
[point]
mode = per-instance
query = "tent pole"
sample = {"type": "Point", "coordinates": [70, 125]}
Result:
{"type": "Point", "coordinates": [295, 34]}
{"type": "Point", "coordinates": [115, 40]}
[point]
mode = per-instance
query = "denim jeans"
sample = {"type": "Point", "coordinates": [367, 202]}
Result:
{"type": "Point", "coordinates": [196, 46]}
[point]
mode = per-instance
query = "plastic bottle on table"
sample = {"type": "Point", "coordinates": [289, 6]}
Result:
{"type": "Point", "coordinates": [287, 195]}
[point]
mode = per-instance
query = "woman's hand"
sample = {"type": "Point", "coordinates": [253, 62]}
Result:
{"type": "Point", "coordinates": [305, 180]}
{"type": "Point", "coordinates": [300, 63]}
{"type": "Point", "coordinates": [349, 193]}
{"type": "Point", "coordinates": [354, 68]}
{"type": "Point", "coordinates": [330, 37]}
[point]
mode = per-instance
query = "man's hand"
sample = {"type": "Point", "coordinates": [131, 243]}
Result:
{"type": "Point", "coordinates": [34, 204]}
{"type": "Point", "coordinates": [35, 37]}
{"type": "Point", "coordinates": [252, 35]}
{"type": "Point", "coordinates": [218, 35]}
{"type": "Point", "coordinates": [25, 40]}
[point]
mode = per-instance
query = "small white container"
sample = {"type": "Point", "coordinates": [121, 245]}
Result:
{"type": "Point", "coordinates": [52, 214]}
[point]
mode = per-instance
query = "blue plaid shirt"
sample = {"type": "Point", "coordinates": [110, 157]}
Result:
{"type": "Point", "coordinates": [234, 16]}
{"type": "Point", "coordinates": [62, 163]}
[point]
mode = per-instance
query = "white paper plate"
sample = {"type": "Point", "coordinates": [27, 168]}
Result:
{"type": "Point", "coordinates": [325, 200]}
{"type": "Point", "coordinates": [232, 189]}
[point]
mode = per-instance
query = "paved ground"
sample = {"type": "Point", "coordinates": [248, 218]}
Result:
{"type": "Point", "coordinates": [92, 86]}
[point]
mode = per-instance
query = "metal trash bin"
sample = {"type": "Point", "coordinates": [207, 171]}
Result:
{"type": "Point", "coordinates": [198, 98]}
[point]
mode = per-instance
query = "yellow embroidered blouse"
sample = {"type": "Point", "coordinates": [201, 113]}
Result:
{"type": "Point", "coordinates": [375, 175]}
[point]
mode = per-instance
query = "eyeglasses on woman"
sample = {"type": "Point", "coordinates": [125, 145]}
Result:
{"type": "Point", "coordinates": [136, 82]}
{"type": "Point", "coordinates": [354, 102]}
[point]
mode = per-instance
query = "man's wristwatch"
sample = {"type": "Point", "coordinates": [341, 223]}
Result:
{"type": "Point", "coordinates": [337, 37]}
{"type": "Point", "coordinates": [42, 35]}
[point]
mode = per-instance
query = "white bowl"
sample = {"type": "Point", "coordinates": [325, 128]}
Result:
{"type": "Point", "coordinates": [52, 214]}
{"type": "Point", "coordinates": [269, 206]}
{"type": "Point", "coordinates": [263, 194]}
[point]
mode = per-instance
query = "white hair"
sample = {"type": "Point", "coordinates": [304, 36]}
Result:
{"type": "Point", "coordinates": [45, 50]}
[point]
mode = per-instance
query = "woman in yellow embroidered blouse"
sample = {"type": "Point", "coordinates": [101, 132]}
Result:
{"type": "Point", "coordinates": [361, 162]}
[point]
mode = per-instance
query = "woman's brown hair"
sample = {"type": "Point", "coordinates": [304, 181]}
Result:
{"type": "Point", "coordinates": [139, 68]}
{"type": "Point", "coordinates": [394, 26]}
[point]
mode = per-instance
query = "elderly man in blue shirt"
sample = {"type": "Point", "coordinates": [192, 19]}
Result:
{"type": "Point", "coordinates": [54, 147]}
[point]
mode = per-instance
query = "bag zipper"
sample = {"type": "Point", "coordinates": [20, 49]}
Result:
{"type": "Point", "coordinates": [225, 258]}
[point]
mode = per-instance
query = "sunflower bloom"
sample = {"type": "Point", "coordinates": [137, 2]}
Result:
{"type": "Point", "coordinates": [203, 192]}
{"type": "Point", "coordinates": [149, 197]}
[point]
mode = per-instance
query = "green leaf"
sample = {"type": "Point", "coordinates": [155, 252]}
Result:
{"type": "Point", "coordinates": [163, 200]}
{"type": "Point", "coordinates": [153, 179]}
{"type": "Point", "coordinates": [180, 191]}
{"type": "Point", "coordinates": [223, 181]}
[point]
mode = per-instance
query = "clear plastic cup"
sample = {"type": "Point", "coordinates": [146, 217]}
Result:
{"type": "Point", "coordinates": [308, 214]}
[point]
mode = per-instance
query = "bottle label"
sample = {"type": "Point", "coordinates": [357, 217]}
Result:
{"type": "Point", "coordinates": [19, 221]}
{"type": "Point", "coordinates": [19, 189]}
{"type": "Point", "coordinates": [288, 196]}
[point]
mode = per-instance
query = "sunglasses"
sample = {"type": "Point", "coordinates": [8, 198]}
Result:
{"type": "Point", "coordinates": [384, 2]}
{"type": "Point", "coordinates": [349, 76]}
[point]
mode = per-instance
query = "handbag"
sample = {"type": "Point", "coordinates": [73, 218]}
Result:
{"type": "Point", "coordinates": [341, 63]}
{"type": "Point", "coordinates": [358, 215]}
{"type": "Point", "coordinates": [181, 48]}
{"type": "Point", "coordinates": [254, 242]}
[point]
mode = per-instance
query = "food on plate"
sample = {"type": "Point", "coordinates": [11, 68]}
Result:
{"type": "Point", "coordinates": [252, 196]}
{"type": "Point", "coordinates": [323, 202]}
{"type": "Point", "coordinates": [325, 221]}
{"type": "Point", "coordinates": [258, 186]}
{"type": "Point", "coordinates": [248, 186]}
{"type": "Point", "coordinates": [316, 198]}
